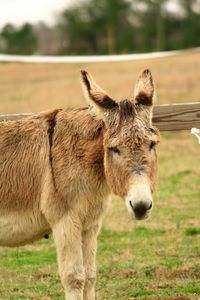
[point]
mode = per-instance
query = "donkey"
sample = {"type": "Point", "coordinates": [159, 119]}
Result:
{"type": "Point", "coordinates": [58, 168]}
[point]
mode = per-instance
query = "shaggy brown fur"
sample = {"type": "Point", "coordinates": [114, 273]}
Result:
{"type": "Point", "coordinates": [58, 168]}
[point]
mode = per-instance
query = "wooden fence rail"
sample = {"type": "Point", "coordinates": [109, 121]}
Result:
{"type": "Point", "coordinates": [172, 117]}
{"type": "Point", "coordinates": [169, 117]}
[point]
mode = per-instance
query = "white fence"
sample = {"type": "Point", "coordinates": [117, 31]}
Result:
{"type": "Point", "coordinates": [89, 59]}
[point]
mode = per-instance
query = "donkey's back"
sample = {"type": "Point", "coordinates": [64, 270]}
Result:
{"type": "Point", "coordinates": [24, 159]}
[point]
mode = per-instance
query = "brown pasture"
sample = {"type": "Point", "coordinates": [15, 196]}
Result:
{"type": "Point", "coordinates": [36, 87]}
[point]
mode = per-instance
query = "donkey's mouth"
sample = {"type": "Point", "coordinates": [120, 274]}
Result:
{"type": "Point", "coordinates": [139, 201]}
{"type": "Point", "coordinates": [140, 210]}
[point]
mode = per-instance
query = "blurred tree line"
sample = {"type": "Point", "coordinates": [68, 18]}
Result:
{"type": "Point", "coordinates": [18, 40]}
{"type": "Point", "coordinates": [109, 26]}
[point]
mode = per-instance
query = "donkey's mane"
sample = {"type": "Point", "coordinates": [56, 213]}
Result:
{"type": "Point", "coordinates": [126, 109]}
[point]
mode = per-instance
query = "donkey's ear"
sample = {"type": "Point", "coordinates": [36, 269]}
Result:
{"type": "Point", "coordinates": [144, 89]}
{"type": "Point", "coordinates": [96, 97]}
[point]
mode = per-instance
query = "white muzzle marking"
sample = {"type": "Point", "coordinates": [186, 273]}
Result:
{"type": "Point", "coordinates": [139, 201]}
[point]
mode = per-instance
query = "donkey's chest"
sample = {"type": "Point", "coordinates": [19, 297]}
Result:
{"type": "Point", "coordinates": [91, 212]}
{"type": "Point", "coordinates": [19, 229]}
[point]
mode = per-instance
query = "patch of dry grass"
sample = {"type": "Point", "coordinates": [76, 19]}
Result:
{"type": "Point", "coordinates": [36, 87]}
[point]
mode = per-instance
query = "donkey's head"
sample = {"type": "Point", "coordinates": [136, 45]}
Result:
{"type": "Point", "coordinates": [129, 142]}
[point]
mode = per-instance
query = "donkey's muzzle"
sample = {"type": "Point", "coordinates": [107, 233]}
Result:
{"type": "Point", "coordinates": [139, 200]}
{"type": "Point", "coordinates": [141, 209]}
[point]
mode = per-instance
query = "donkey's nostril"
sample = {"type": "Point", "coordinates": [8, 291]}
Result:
{"type": "Point", "coordinates": [131, 205]}
{"type": "Point", "coordinates": [150, 206]}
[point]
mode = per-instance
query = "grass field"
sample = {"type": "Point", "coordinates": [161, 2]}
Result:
{"type": "Point", "coordinates": [154, 259]}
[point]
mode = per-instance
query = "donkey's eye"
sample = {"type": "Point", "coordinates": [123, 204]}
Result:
{"type": "Point", "coordinates": [152, 145]}
{"type": "Point", "coordinates": [114, 150]}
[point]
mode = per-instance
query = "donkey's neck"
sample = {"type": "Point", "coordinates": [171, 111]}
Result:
{"type": "Point", "coordinates": [79, 137]}
{"type": "Point", "coordinates": [82, 122]}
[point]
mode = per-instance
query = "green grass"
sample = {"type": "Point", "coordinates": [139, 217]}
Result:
{"type": "Point", "coordinates": [154, 269]}
{"type": "Point", "coordinates": [192, 231]}
{"type": "Point", "coordinates": [158, 259]}
{"type": "Point", "coordinates": [151, 269]}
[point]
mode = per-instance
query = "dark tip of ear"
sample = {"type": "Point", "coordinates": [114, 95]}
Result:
{"type": "Point", "coordinates": [146, 72]}
{"type": "Point", "coordinates": [83, 72]}
{"type": "Point", "coordinates": [143, 99]}
{"type": "Point", "coordinates": [84, 75]}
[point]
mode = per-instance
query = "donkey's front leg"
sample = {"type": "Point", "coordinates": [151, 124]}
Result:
{"type": "Point", "coordinates": [89, 258]}
{"type": "Point", "coordinates": [67, 234]}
